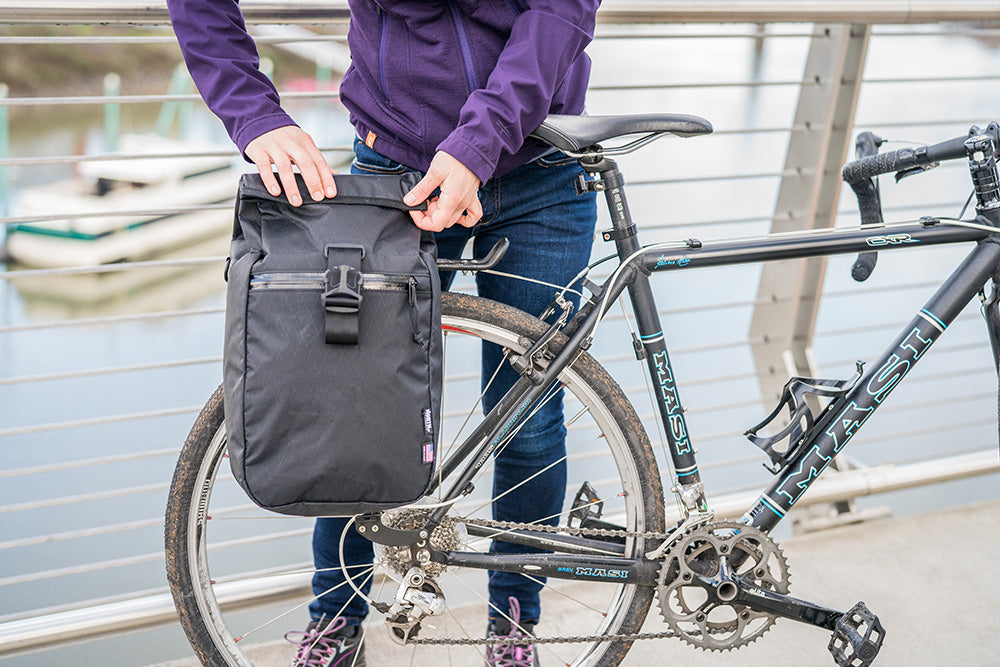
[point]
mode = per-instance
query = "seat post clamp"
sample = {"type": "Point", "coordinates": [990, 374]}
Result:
{"type": "Point", "coordinates": [618, 234]}
{"type": "Point", "coordinates": [584, 185]}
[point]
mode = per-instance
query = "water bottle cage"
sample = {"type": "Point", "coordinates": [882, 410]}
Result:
{"type": "Point", "coordinates": [801, 420]}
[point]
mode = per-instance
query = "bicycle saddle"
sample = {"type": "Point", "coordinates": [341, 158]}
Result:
{"type": "Point", "coordinates": [574, 133]}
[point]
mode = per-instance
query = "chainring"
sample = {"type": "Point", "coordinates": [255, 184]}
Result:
{"type": "Point", "coordinates": [695, 613]}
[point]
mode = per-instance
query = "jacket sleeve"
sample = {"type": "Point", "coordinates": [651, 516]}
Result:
{"type": "Point", "coordinates": [545, 41]}
{"type": "Point", "coordinates": [224, 64]}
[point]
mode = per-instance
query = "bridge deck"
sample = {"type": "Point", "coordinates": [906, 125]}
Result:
{"type": "Point", "coordinates": [929, 577]}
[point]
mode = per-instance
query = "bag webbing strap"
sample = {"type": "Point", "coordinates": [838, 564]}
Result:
{"type": "Point", "coordinates": [342, 298]}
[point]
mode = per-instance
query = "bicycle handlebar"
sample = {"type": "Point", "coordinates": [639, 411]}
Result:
{"type": "Point", "coordinates": [869, 202]}
{"type": "Point", "coordinates": [903, 159]}
{"type": "Point", "coordinates": [861, 175]}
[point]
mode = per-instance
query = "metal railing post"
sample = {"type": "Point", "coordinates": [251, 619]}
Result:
{"type": "Point", "coordinates": [783, 324]}
{"type": "Point", "coordinates": [789, 292]}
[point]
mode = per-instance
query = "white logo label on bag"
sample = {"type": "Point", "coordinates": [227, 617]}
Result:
{"type": "Point", "coordinates": [428, 422]}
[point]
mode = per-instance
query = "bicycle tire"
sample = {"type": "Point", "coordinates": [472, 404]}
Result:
{"type": "Point", "coordinates": [193, 584]}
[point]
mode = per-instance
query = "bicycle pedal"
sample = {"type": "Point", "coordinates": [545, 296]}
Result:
{"type": "Point", "coordinates": [857, 637]}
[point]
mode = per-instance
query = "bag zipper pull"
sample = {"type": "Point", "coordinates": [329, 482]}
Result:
{"type": "Point", "coordinates": [417, 336]}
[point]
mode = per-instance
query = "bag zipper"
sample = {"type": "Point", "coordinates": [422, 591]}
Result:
{"type": "Point", "coordinates": [418, 337]}
{"type": "Point", "coordinates": [371, 282]}
{"type": "Point", "coordinates": [375, 282]}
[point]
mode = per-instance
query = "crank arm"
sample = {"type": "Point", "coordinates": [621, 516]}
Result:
{"type": "Point", "coordinates": [857, 633]}
{"type": "Point", "coordinates": [785, 606]}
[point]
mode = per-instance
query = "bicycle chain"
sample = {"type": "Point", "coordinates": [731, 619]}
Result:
{"type": "Point", "coordinates": [524, 641]}
{"type": "Point", "coordinates": [534, 641]}
{"type": "Point", "coordinates": [567, 530]}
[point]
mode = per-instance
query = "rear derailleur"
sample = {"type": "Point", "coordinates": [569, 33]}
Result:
{"type": "Point", "coordinates": [417, 598]}
{"type": "Point", "coordinates": [402, 540]}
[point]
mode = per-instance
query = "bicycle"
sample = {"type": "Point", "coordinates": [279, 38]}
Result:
{"type": "Point", "coordinates": [718, 584]}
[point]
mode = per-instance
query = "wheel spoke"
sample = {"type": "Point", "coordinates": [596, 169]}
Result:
{"type": "Point", "coordinates": [302, 605]}
{"type": "Point", "coordinates": [528, 479]}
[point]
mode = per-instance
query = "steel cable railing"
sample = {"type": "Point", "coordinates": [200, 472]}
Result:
{"type": "Point", "coordinates": [86, 463]}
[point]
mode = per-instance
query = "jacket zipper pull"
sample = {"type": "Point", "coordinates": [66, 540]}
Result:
{"type": "Point", "coordinates": [414, 318]}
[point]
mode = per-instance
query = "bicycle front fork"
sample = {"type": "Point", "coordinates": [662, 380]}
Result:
{"type": "Point", "coordinates": [991, 312]}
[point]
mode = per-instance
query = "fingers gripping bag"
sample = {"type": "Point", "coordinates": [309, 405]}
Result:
{"type": "Point", "coordinates": [332, 358]}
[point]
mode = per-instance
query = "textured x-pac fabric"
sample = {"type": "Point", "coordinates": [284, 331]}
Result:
{"type": "Point", "coordinates": [316, 428]}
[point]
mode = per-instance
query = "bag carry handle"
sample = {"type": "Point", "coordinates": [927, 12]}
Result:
{"type": "Point", "coordinates": [342, 298]}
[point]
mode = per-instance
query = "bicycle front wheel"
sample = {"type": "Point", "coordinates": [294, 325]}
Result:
{"type": "Point", "coordinates": [240, 576]}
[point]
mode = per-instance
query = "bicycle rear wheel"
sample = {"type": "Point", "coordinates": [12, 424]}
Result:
{"type": "Point", "coordinates": [240, 576]}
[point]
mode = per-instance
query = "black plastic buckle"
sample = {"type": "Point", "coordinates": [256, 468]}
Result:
{"type": "Point", "coordinates": [343, 289]}
{"type": "Point", "coordinates": [342, 298]}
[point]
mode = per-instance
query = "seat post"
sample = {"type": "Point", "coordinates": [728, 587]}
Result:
{"type": "Point", "coordinates": [651, 345]}
{"type": "Point", "coordinates": [611, 182]}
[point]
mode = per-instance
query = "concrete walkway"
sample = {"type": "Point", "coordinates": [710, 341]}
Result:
{"type": "Point", "coordinates": [931, 579]}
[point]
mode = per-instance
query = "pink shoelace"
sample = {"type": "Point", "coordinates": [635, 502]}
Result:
{"type": "Point", "coordinates": [317, 647]}
{"type": "Point", "coordinates": [512, 655]}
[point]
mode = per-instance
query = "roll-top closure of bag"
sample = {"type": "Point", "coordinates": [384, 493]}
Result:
{"type": "Point", "coordinates": [381, 190]}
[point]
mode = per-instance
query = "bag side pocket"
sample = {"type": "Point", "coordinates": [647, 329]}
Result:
{"type": "Point", "coordinates": [234, 357]}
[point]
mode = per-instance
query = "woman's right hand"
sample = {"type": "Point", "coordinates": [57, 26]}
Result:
{"type": "Point", "coordinates": [284, 147]}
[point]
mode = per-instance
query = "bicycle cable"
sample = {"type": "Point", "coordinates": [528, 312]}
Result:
{"type": "Point", "coordinates": [562, 288]}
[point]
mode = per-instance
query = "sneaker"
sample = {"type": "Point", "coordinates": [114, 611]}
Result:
{"type": "Point", "coordinates": [328, 642]}
{"type": "Point", "coordinates": [511, 655]}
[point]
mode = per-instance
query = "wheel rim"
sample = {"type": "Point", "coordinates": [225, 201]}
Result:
{"type": "Point", "coordinates": [219, 597]}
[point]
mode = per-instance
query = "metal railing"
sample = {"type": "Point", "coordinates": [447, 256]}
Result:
{"type": "Point", "coordinates": [616, 11]}
{"type": "Point", "coordinates": [112, 544]}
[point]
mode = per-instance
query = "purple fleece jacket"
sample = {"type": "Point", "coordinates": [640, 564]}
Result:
{"type": "Point", "coordinates": [471, 78]}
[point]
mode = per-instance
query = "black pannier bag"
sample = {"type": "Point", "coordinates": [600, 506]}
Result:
{"type": "Point", "coordinates": [332, 359]}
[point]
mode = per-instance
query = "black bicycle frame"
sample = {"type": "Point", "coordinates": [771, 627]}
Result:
{"type": "Point", "coordinates": [598, 560]}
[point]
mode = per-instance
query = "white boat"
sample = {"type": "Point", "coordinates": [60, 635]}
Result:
{"type": "Point", "coordinates": [125, 209]}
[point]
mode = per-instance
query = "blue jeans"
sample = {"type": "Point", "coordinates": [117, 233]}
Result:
{"type": "Point", "coordinates": [550, 229]}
